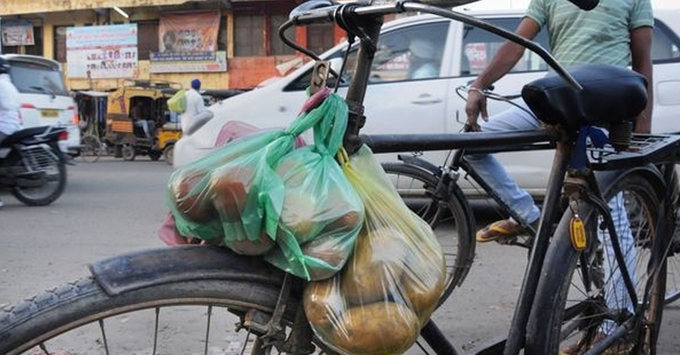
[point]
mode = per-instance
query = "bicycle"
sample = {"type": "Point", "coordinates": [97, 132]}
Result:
{"type": "Point", "coordinates": [433, 193]}
{"type": "Point", "coordinates": [266, 301]}
{"type": "Point", "coordinates": [90, 144]}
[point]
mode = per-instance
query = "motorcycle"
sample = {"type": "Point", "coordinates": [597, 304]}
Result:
{"type": "Point", "coordinates": [32, 166]}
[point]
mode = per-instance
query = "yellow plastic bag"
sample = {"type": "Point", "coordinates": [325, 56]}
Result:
{"type": "Point", "coordinates": [178, 102]}
{"type": "Point", "coordinates": [393, 281]}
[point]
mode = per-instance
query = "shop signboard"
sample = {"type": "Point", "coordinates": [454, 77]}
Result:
{"type": "Point", "coordinates": [102, 52]}
{"type": "Point", "coordinates": [189, 62]}
{"type": "Point", "coordinates": [17, 33]}
{"type": "Point", "coordinates": [188, 44]}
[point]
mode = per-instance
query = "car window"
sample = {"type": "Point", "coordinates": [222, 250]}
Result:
{"type": "Point", "coordinates": [665, 45]}
{"type": "Point", "coordinates": [37, 79]}
{"type": "Point", "coordinates": [409, 53]}
{"type": "Point", "coordinates": [479, 47]}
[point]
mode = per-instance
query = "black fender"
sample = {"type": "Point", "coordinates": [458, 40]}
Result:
{"type": "Point", "coordinates": [608, 178]}
{"type": "Point", "coordinates": [421, 163]}
{"type": "Point", "coordinates": [141, 269]}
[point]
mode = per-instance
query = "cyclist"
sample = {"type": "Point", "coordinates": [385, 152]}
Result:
{"type": "Point", "coordinates": [9, 105]}
{"type": "Point", "coordinates": [617, 32]}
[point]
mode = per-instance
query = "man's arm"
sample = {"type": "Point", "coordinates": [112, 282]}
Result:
{"type": "Point", "coordinates": [503, 61]}
{"type": "Point", "coordinates": [641, 49]}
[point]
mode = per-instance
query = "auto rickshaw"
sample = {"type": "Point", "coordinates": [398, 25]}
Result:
{"type": "Point", "coordinates": [138, 120]}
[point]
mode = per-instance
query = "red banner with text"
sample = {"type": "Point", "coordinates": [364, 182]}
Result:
{"type": "Point", "coordinates": [189, 32]}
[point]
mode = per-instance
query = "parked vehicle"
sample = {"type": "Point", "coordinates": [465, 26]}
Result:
{"type": "Point", "coordinates": [398, 102]}
{"type": "Point", "coordinates": [150, 99]}
{"type": "Point", "coordinates": [32, 166]}
{"type": "Point", "coordinates": [43, 96]}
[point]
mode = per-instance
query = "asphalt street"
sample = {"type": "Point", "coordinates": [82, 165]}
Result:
{"type": "Point", "coordinates": [113, 207]}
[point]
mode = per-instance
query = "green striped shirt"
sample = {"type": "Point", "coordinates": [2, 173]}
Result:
{"type": "Point", "coordinates": [601, 35]}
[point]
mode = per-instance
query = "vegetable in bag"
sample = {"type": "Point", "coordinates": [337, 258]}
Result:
{"type": "Point", "coordinates": [393, 280]}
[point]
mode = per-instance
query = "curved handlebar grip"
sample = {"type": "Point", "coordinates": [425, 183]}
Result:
{"type": "Point", "coordinates": [307, 7]}
{"type": "Point", "coordinates": [585, 4]}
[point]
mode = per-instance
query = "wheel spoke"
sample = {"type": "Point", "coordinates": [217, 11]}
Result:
{"type": "Point", "coordinates": [44, 349]}
{"type": "Point", "coordinates": [155, 331]}
{"type": "Point", "coordinates": [245, 343]}
{"type": "Point", "coordinates": [106, 343]}
{"type": "Point", "coordinates": [207, 331]}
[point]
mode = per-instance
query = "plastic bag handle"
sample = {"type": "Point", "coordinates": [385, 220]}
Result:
{"type": "Point", "coordinates": [310, 116]}
{"type": "Point", "coordinates": [330, 131]}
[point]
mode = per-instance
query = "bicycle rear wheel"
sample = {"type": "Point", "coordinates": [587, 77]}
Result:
{"type": "Point", "coordinates": [91, 149]}
{"type": "Point", "coordinates": [188, 317]}
{"type": "Point", "coordinates": [452, 221]}
{"type": "Point", "coordinates": [582, 298]}
{"type": "Point", "coordinates": [673, 261]}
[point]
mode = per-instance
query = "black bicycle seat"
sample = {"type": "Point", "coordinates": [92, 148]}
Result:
{"type": "Point", "coordinates": [610, 94]}
{"type": "Point", "coordinates": [18, 136]}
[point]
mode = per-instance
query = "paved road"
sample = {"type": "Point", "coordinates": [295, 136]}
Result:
{"type": "Point", "coordinates": [111, 207]}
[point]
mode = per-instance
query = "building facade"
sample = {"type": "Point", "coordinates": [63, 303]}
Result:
{"type": "Point", "coordinates": [228, 44]}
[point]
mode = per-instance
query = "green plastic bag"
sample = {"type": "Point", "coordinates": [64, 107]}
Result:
{"type": "Point", "coordinates": [234, 197]}
{"type": "Point", "coordinates": [322, 214]}
{"type": "Point", "coordinates": [178, 102]}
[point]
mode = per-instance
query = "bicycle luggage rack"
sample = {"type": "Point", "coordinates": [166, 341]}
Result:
{"type": "Point", "coordinates": [643, 149]}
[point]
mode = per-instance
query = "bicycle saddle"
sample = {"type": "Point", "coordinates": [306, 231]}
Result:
{"type": "Point", "coordinates": [18, 136]}
{"type": "Point", "coordinates": [610, 94]}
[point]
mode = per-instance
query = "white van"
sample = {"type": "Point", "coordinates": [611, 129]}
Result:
{"type": "Point", "coordinates": [397, 102]}
{"type": "Point", "coordinates": [43, 96]}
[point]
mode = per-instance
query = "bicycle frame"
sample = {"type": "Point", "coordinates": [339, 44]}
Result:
{"type": "Point", "coordinates": [365, 23]}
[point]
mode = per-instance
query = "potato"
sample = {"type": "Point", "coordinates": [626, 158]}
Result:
{"type": "Point", "coordinates": [252, 247]}
{"type": "Point", "coordinates": [292, 171]}
{"type": "Point", "coordinates": [298, 214]}
{"type": "Point", "coordinates": [230, 188]}
{"type": "Point", "coordinates": [377, 328]}
{"type": "Point", "coordinates": [423, 283]}
{"type": "Point", "coordinates": [332, 250]}
{"type": "Point", "coordinates": [194, 206]}
{"type": "Point", "coordinates": [347, 222]}
{"type": "Point", "coordinates": [375, 269]}
{"type": "Point", "coordinates": [323, 305]}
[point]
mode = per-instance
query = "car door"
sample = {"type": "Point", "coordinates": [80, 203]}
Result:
{"type": "Point", "coordinates": [666, 58]}
{"type": "Point", "coordinates": [476, 48]}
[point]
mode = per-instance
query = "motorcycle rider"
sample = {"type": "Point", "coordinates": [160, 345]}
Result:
{"type": "Point", "coordinates": [9, 104]}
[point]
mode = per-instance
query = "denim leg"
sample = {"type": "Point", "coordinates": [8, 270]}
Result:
{"type": "Point", "coordinates": [615, 292]}
{"type": "Point", "coordinates": [493, 172]}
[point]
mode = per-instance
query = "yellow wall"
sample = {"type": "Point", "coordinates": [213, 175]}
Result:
{"type": "Point", "coordinates": [18, 7]}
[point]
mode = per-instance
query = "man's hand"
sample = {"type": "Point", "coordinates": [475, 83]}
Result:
{"type": "Point", "coordinates": [476, 104]}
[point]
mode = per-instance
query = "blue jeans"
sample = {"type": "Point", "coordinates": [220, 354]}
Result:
{"type": "Point", "coordinates": [493, 172]}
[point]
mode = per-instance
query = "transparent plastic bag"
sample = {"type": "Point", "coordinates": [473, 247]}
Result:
{"type": "Point", "coordinates": [322, 214]}
{"type": "Point", "coordinates": [393, 280]}
{"type": "Point", "coordinates": [234, 194]}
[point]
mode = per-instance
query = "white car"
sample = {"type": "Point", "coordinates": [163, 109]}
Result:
{"type": "Point", "coordinates": [43, 96]}
{"type": "Point", "coordinates": [399, 101]}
